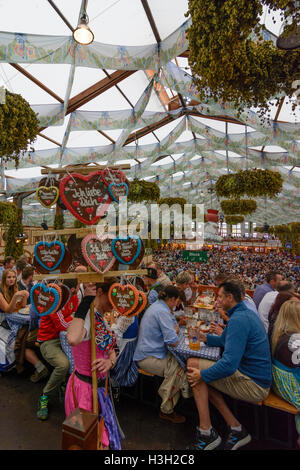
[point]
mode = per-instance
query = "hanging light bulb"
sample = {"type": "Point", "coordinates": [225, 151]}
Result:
{"type": "Point", "coordinates": [82, 34]}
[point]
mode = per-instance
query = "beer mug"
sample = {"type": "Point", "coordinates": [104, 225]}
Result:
{"type": "Point", "coordinates": [194, 338]}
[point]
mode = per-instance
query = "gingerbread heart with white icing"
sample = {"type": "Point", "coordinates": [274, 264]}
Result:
{"type": "Point", "coordinates": [86, 197]}
{"type": "Point", "coordinates": [98, 253]}
{"type": "Point", "coordinates": [47, 195]}
{"type": "Point", "coordinates": [124, 298]}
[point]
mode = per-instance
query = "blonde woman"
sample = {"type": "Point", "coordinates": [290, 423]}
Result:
{"type": "Point", "coordinates": [12, 300]}
{"type": "Point", "coordinates": [285, 347]}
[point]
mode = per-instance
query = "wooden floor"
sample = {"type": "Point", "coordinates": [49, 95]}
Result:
{"type": "Point", "coordinates": [20, 429]}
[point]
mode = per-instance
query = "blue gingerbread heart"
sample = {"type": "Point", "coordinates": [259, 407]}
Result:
{"type": "Point", "coordinates": [44, 300]}
{"type": "Point", "coordinates": [119, 241]}
{"type": "Point", "coordinates": [115, 195]}
{"type": "Point", "coordinates": [50, 252]}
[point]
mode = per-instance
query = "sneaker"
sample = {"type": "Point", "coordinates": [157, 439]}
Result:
{"type": "Point", "coordinates": [42, 412]}
{"type": "Point", "coordinates": [173, 417]}
{"type": "Point", "coordinates": [37, 376]}
{"type": "Point", "coordinates": [206, 442]}
{"type": "Point", "coordinates": [236, 439]}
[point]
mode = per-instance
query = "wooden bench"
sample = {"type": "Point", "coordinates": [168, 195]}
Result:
{"type": "Point", "coordinates": [143, 372]}
{"type": "Point", "coordinates": [273, 401]}
{"type": "Point", "coordinates": [279, 426]}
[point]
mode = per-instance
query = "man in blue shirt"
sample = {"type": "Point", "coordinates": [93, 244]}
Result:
{"type": "Point", "coordinates": [244, 372]}
{"type": "Point", "coordinates": [153, 284]}
{"type": "Point", "coordinates": [158, 329]}
{"type": "Point", "coordinates": [272, 280]}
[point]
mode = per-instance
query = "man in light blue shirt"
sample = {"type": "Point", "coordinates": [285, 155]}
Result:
{"type": "Point", "coordinates": [158, 329]}
{"type": "Point", "coordinates": [272, 280]}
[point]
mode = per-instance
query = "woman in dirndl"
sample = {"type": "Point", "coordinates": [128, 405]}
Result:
{"type": "Point", "coordinates": [125, 373]}
{"type": "Point", "coordinates": [79, 391]}
{"type": "Point", "coordinates": [285, 345]}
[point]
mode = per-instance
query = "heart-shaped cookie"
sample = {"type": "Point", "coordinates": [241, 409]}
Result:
{"type": "Point", "coordinates": [65, 295]}
{"type": "Point", "coordinates": [74, 245]}
{"type": "Point", "coordinates": [127, 250]}
{"type": "Point", "coordinates": [142, 302]}
{"type": "Point", "coordinates": [118, 190]}
{"type": "Point", "coordinates": [98, 253]}
{"type": "Point", "coordinates": [124, 298]}
{"type": "Point", "coordinates": [59, 290]}
{"type": "Point", "coordinates": [49, 255]}
{"type": "Point", "coordinates": [66, 262]}
{"type": "Point", "coordinates": [47, 195]}
{"type": "Point", "coordinates": [44, 299]}
{"type": "Point", "coordinates": [86, 197]}
{"type": "Point", "coordinates": [113, 176]}
{"type": "Point", "coordinates": [138, 282]}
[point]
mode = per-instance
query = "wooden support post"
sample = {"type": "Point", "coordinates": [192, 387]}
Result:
{"type": "Point", "coordinates": [83, 169]}
{"type": "Point", "coordinates": [93, 356]}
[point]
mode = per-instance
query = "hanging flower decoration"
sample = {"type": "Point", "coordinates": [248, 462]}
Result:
{"type": "Point", "coordinates": [230, 58]}
{"type": "Point", "coordinates": [255, 183]}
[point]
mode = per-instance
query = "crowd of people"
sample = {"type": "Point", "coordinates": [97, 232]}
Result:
{"type": "Point", "coordinates": [259, 340]}
{"type": "Point", "coordinates": [251, 267]}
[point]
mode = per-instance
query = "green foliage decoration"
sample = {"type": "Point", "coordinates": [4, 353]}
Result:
{"type": "Point", "coordinates": [8, 213]}
{"type": "Point", "coordinates": [172, 200]}
{"type": "Point", "coordinates": [10, 216]}
{"type": "Point", "coordinates": [19, 126]}
{"type": "Point", "coordinates": [79, 224]}
{"type": "Point", "coordinates": [234, 219]}
{"type": "Point", "coordinates": [238, 206]}
{"type": "Point", "coordinates": [230, 60]}
{"type": "Point", "coordinates": [12, 248]}
{"type": "Point", "coordinates": [59, 221]}
{"type": "Point", "coordinates": [255, 183]}
{"type": "Point", "coordinates": [143, 191]}
{"type": "Point", "coordinates": [286, 233]}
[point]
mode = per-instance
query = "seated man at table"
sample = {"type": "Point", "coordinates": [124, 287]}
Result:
{"type": "Point", "coordinates": [157, 330]}
{"type": "Point", "coordinates": [244, 371]}
{"type": "Point", "coordinates": [51, 349]}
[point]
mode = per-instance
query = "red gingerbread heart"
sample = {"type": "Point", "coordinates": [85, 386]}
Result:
{"type": "Point", "coordinates": [124, 298]}
{"type": "Point", "coordinates": [87, 197]}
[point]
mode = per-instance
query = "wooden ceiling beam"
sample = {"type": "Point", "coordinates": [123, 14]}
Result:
{"type": "Point", "coordinates": [97, 89]}
{"type": "Point", "coordinates": [61, 15]}
{"type": "Point", "coordinates": [49, 138]}
{"type": "Point", "coordinates": [146, 130]}
{"type": "Point", "coordinates": [107, 136]}
{"type": "Point", "coordinates": [151, 20]}
{"type": "Point", "coordinates": [37, 82]}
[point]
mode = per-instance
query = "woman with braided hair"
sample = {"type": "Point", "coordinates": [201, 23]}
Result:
{"type": "Point", "coordinates": [79, 391]}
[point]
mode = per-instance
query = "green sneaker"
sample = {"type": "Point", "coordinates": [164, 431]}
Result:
{"type": "Point", "coordinates": [42, 412]}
